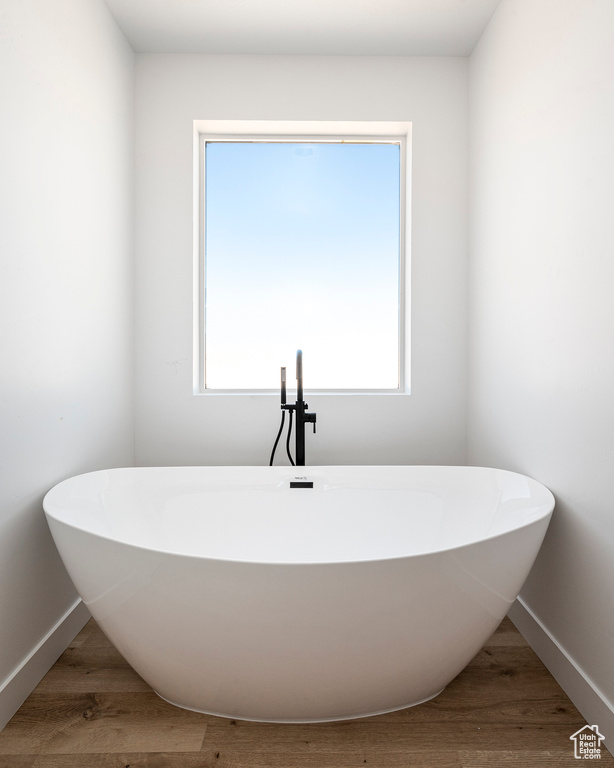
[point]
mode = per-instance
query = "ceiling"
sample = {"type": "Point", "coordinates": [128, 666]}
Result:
{"type": "Point", "coordinates": [325, 27]}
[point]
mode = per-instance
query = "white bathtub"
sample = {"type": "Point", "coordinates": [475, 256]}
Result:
{"type": "Point", "coordinates": [232, 593]}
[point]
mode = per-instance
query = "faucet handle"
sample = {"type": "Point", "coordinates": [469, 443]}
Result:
{"type": "Point", "coordinates": [311, 418]}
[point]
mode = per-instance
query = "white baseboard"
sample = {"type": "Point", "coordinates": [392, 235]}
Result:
{"type": "Point", "coordinates": [20, 684]}
{"type": "Point", "coordinates": [586, 696]}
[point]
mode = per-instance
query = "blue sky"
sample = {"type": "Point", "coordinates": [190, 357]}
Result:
{"type": "Point", "coordinates": [302, 251]}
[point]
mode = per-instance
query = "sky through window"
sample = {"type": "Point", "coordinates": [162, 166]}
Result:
{"type": "Point", "coordinates": [302, 250]}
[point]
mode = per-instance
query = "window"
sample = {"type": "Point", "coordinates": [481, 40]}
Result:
{"type": "Point", "coordinates": [302, 240]}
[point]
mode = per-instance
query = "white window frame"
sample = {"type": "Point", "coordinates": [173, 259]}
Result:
{"type": "Point", "coordinates": [300, 131]}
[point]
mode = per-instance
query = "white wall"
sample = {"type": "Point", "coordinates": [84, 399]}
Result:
{"type": "Point", "coordinates": [175, 427]}
{"type": "Point", "coordinates": [66, 184]}
{"type": "Point", "coordinates": [542, 306]}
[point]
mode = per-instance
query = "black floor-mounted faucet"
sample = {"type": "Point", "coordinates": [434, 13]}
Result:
{"type": "Point", "coordinates": [302, 417]}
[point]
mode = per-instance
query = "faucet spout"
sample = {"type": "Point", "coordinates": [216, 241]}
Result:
{"type": "Point", "coordinates": [299, 374]}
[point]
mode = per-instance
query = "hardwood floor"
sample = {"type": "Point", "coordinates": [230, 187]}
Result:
{"type": "Point", "coordinates": [93, 711]}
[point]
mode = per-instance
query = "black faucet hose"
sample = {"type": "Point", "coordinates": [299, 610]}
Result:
{"type": "Point", "coordinates": [281, 426]}
{"type": "Point", "coordinates": [288, 440]}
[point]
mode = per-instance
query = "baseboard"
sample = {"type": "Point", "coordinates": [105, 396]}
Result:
{"type": "Point", "coordinates": [586, 696]}
{"type": "Point", "coordinates": [20, 684]}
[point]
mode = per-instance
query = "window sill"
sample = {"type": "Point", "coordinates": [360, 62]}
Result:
{"type": "Point", "coordinates": [307, 393]}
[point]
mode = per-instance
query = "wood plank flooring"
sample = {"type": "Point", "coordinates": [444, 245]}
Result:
{"type": "Point", "coordinates": [93, 711]}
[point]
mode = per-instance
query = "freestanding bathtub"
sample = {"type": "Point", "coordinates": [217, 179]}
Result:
{"type": "Point", "coordinates": [298, 594]}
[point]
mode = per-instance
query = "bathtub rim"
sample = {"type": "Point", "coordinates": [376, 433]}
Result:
{"type": "Point", "coordinates": [542, 518]}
